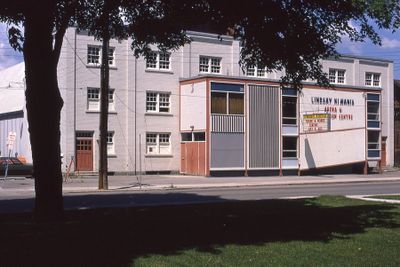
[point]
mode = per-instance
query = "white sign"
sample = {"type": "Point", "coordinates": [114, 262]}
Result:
{"type": "Point", "coordinates": [12, 136]}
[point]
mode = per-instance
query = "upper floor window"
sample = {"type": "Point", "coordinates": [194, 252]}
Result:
{"type": "Point", "coordinates": [256, 71]}
{"type": "Point", "coordinates": [158, 61]}
{"type": "Point", "coordinates": [227, 103]}
{"type": "Point", "coordinates": [93, 99]}
{"type": "Point", "coordinates": [289, 106]}
{"type": "Point", "coordinates": [94, 55]}
{"type": "Point", "coordinates": [372, 79]}
{"type": "Point", "coordinates": [337, 76]}
{"type": "Point", "coordinates": [158, 102]}
{"type": "Point", "coordinates": [210, 64]}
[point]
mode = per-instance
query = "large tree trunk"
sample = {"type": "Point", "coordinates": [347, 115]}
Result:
{"type": "Point", "coordinates": [43, 103]}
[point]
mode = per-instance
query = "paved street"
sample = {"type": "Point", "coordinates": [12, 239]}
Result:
{"type": "Point", "coordinates": [16, 195]}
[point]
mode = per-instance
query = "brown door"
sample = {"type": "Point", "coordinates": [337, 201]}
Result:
{"type": "Point", "coordinates": [84, 154]}
{"type": "Point", "coordinates": [193, 158]}
{"type": "Point", "coordinates": [383, 152]}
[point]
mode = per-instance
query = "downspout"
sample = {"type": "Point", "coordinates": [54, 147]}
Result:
{"type": "Point", "coordinates": [135, 86]}
{"type": "Point", "coordinates": [75, 41]}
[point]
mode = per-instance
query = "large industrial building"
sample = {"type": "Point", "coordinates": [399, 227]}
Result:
{"type": "Point", "coordinates": [196, 111]}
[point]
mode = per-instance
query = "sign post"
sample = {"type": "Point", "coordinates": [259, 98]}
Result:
{"type": "Point", "coordinates": [10, 146]}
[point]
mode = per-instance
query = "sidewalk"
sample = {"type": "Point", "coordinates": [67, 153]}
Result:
{"type": "Point", "coordinates": [167, 182]}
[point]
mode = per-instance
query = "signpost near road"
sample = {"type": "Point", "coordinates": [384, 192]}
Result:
{"type": "Point", "coordinates": [10, 146]}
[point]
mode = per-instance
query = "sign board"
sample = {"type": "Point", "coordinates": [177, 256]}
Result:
{"type": "Point", "coordinates": [11, 139]}
{"type": "Point", "coordinates": [316, 122]}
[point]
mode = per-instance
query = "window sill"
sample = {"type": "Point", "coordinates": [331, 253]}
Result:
{"type": "Point", "coordinates": [98, 111]}
{"type": "Point", "coordinates": [111, 155]}
{"type": "Point", "coordinates": [159, 71]}
{"type": "Point", "coordinates": [92, 66]}
{"type": "Point", "coordinates": [212, 73]}
{"type": "Point", "coordinates": [159, 114]}
{"type": "Point", "coordinates": [158, 156]}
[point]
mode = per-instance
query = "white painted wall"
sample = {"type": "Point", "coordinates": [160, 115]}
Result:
{"type": "Point", "coordinates": [331, 148]}
{"type": "Point", "coordinates": [193, 106]}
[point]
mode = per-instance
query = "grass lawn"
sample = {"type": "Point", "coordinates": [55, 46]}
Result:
{"type": "Point", "coordinates": [394, 197]}
{"type": "Point", "coordinates": [327, 231]}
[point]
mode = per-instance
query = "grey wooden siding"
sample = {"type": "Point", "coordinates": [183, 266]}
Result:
{"type": "Point", "coordinates": [227, 150]}
{"type": "Point", "coordinates": [263, 127]}
{"type": "Point", "coordinates": [227, 123]}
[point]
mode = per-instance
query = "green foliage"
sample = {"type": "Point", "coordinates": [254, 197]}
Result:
{"type": "Point", "coordinates": [290, 35]}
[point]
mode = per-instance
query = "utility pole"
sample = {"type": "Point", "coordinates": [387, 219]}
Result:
{"type": "Point", "coordinates": [104, 84]}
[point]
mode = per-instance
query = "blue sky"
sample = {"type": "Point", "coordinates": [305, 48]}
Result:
{"type": "Point", "coordinates": [390, 49]}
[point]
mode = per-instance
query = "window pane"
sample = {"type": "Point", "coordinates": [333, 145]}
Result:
{"type": "Point", "coordinates": [250, 71]}
{"type": "Point", "coordinates": [151, 101]}
{"type": "Point", "coordinates": [164, 139]}
{"type": "Point", "coordinates": [164, 61]}
{"type": "Point", "coordinates": [151, 61]}
{"type": "Point", "coordinates": [199, 136]}
{"type": "Point", "coordinates": [204, 64]}
{"type": "Point", "coordinates": [236, 103]}
{"type": "Point", "coordinates": [289, 146]}
{"type": "Point", "coordinates": [218, 102]}
{"type": "Point", "coordinates": [376, 79]}
{"type": "Point", "coordinates": [93, 55]}
{"type": "Point", "coordinates": [289, 110]}
{"type": "Point", "coordinates": [332, 76]}
{"type": "Point", "coordinates": [93, 93]}
{"type": "Point", "coordinates": [340, 76]}
{"type": "Point", "coordinates": [186, 137]}
{"type": "Point", "coordinates": [215, 65]}
{"type": "Point", "coordinates": [111, 56]}
{"type": "Point", "coordinates": [151, 138]}
{"type": "Point", "coordinates": [368, 79]}
{"type": "Point", "coordinates": [260, 72]}
{"type": "Point", "coordinates": [164, 102]}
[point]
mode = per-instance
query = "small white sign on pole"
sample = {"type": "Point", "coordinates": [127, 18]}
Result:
{"type": "Point", "coordinates": [10, 140]}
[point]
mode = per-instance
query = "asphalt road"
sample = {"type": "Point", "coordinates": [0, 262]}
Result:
{"type": "Point", "coordinates": [24, 203]}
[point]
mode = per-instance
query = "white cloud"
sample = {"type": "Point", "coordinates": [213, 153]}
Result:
{"type": "Point", "coordinates": [349, 47]}
{"type": "Point", "coordinates": [390, 43]}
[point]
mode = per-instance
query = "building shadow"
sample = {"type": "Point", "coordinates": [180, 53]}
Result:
{"type": "Point", "coordinates": [117, 236]}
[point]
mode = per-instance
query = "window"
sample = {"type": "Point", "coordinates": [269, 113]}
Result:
{"type": "Point", "coordinates": [93, 99]}
{"type": "Point", "coordinates": [158, 143]}
{"type": "Point", "coordinates": [110, 143]}
{"type": "Point", "coordinates": [289, 110]}
{"type": "Point", "coordinates": [210, 64]}
{"type": "Point", "coordinates": [256, 71]}
{"type": "Point", "coordinates": [337, 76]}
{"type": "Point", "coordinates": [289, 146]}
{"type": "Point", "coordinates": [193, 136]}
{"type": "Point", "coordinates": [158, 102]}
{"type": "Point", "coordinates": [373, 111]}
{"type": "Point", "coordinates": [94, 55]}
{"type": "Point", "coordinates": [372, 79]}
{"type": "Point", "coordinates": [373, 144]}
{"type": "Point", "coordinates": [158, 61]}
{"type": "Point", "coordinates": [227, 103]}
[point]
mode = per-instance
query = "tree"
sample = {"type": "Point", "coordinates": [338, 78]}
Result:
{"type": "Point", "coordinates": [290, 35]}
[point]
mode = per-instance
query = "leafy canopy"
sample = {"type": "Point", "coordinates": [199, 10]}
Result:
{"type": "Point", "coordinates": [290, 35]}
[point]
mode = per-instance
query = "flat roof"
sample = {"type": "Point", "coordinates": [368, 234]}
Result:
{"type": "Point", "coordinates": [257, 79]}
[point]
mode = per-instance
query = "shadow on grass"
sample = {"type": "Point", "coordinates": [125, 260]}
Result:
{"type": "Point", "coordinates": [116, 236]}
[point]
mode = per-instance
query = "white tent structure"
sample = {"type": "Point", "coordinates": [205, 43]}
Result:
{"type": "Point", "coordinates": [13, 113]}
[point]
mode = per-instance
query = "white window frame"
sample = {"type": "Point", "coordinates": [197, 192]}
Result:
{"type": "Point", "coordinates": [97, 63]}
{"type": "Point", "coordinates": [336, 78]}
{"type": "Point", "coordinates": [157, 103]}
{"type": "Point", "coordinates": [254, 71]}
{"type": "Point", "coordinates": [374, 81]}
{"type": "Point", "coordinates": [93, 103]}
{"type": "Point", "coordinates": [158, 145]}
{"type": "Point", "coordinates": [111, 143]}
{"type": "Point", "coordinates": [207, 64]}
{"type": "Point", "coordinates": [159, 61]}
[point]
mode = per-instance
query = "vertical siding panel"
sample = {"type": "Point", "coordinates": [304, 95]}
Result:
{"type": "Point", "coordinates": [263, 127]}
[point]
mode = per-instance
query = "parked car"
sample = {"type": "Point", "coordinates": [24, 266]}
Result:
{"type": "Point", "coordinates": [15, 167]}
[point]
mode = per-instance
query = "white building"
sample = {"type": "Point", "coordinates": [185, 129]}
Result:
{"type": "Point", "coordinates": [13, 113]}
{"type": "Point", "coordinates": [160, 108]}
